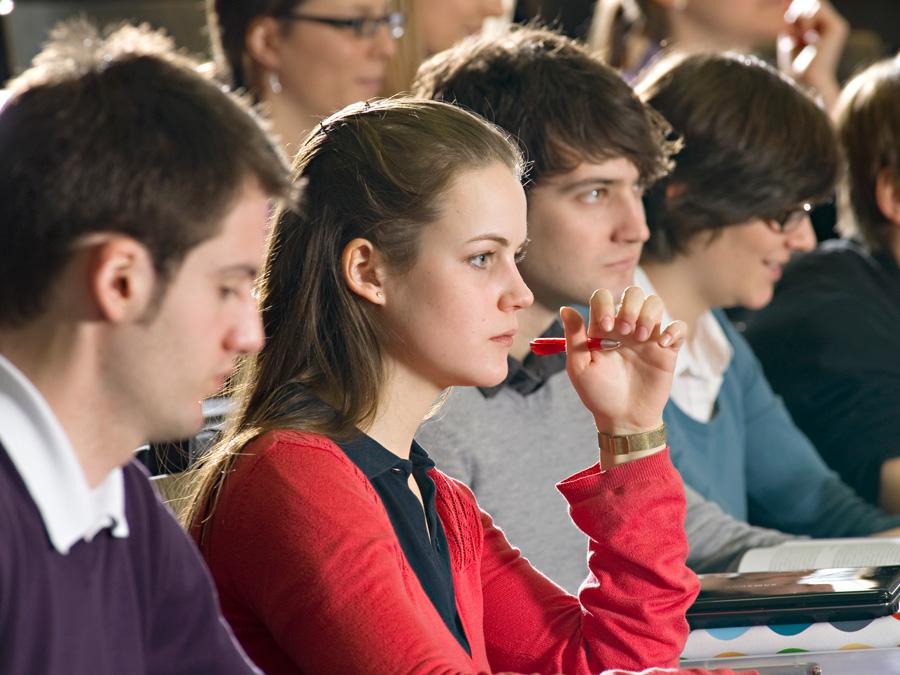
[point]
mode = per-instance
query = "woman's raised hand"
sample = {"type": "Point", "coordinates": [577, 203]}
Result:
{"type": "Point", "coordinates": [627, 388]}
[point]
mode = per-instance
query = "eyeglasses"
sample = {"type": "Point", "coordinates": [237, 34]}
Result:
{"type": "Point", "coordinates": [788, 220]}
{"type": "Point", "coordinates": [362, 27]}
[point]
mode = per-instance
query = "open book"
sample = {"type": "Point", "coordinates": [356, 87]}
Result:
{"type": "Point", "coordinates": [822, 553]}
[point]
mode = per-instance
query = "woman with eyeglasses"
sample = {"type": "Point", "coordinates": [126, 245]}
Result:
{"type": "Point", "coordinates": [757, 153]}
{"type": "Point", "coordinates": [304, 60]}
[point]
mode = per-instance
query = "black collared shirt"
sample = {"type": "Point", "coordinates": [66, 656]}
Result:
{"type": "Point", "coordinates": [530, 374]}
{"type": "Point", "coordinates": [428, 557]}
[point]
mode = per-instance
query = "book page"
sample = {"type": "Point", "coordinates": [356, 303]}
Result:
{"type": "Point", "coordinates": [822, 553]}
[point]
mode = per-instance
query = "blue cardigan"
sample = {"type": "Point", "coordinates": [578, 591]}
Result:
{"type": "Point", "coordinates": [758, 466]}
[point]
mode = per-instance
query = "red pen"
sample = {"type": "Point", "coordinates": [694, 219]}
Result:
{"type": "Point", "coordinates": [546, 346]}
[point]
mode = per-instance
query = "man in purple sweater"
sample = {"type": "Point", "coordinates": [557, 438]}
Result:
{"type": "Point", "coordinates": [133, 200]}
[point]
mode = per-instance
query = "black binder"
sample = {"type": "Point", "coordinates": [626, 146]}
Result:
{"type": "Point", "coordinates": [809, 596]}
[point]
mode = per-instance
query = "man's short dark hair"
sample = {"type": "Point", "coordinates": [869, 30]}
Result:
{"type": "Point", "coordinates": [118, 133]}
{"type": "Point", "coordinates": [560, 101]}
{"type": "Point", "coordinates": [755, 145]}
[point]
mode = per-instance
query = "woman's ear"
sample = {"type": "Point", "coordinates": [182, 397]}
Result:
{"type": "Point", "coordinates": [263, 41]}
{"type": "Point", "coordinates": [122, 278]}
{"type": "Point", "coordinates": [364, 270]}
{"type": "Point", "coordinates": [887, 195]}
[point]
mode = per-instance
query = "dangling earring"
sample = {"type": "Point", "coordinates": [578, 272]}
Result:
{"type": "Point", "coordinates": [680, 5]}
{"type": "Point", "coordinates": [274, 83]}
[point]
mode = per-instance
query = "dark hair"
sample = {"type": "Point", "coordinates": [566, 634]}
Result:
{"type": "Point", "coordinates": [623, 31]}
{"type": "Point", "coordinates": [379, 172]}
{"type": "Point", "coordinates": [561, 103]}
{"type": "Point", "coordinates": [868, 120]}
{"type": "Point", "coordinates": [117, 134]}
{"type": "Point", "coordinates": [754, 145]}
{"type": "Point", "coordinates": [228, 22]}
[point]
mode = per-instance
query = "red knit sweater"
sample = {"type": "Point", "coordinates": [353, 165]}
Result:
{"type": "Point", "coordinates": [313, 580]}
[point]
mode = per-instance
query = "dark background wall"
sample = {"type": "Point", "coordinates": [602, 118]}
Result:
{"type": "Point", "coordinates": [24, 29]}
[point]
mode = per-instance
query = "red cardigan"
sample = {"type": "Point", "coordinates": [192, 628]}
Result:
{"type": "Point", "coordinates": [312, 578]}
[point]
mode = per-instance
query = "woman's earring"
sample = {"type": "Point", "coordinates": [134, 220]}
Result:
{"type": "Point", "coordinates": [274, 83]}
{"type": "Point", "coordinates": [379, 294]}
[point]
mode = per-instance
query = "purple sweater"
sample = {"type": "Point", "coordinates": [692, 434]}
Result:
{"type": "Point", "coordinates": [141, 604]}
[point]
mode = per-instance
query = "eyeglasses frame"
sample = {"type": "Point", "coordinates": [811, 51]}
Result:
{"type": "Point", "coordinates": [364, 27]}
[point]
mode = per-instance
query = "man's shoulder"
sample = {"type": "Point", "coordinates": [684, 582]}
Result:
{"type": "Point", "coordinates": [828, 268]}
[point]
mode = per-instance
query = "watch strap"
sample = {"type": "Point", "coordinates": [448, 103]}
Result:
{"type": "Point", "coordinates": [622, 445]}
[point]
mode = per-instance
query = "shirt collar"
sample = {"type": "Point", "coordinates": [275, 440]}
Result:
{"type": "Point", "coordinates": [373, 459]}
{"type": "Point", "coordinates": [530, 374]}
{"type": "Point", "coordinates": [709, 337]}
{"type": "Point", "coordinates": [46, 461]}
{"type": "Point", "coordinates": [711, 341]}
{"type": "Point", "coordinates": [702, 363]}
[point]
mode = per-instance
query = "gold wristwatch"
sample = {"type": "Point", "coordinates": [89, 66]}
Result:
{"type": "Point", "coordinates": [622, 445]}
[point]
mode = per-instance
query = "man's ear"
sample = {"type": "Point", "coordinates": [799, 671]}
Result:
{"type": "Point", "coordinates": [887, 195]}
{"type": "Point", "coordinates": [363, 270]}
{"type": "Point", "coordinates": [122, 278]}
{"type": "Point", "coordinates": [263, 39]}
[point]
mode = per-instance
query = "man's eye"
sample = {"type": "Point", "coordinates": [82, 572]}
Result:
{"type": "Point", "coordinates": [594, 196]}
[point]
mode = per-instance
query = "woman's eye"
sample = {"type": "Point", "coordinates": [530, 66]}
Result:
{"type": "Point", "coordinates": [228, 292]}
{"type": "Point", "coordinates": [481, 260]}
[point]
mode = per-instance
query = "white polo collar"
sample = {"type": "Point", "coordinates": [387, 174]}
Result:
{"type": "Point", "coordinates": [43, 455]}
{"type": "Point", "coordinates": [701, 365]}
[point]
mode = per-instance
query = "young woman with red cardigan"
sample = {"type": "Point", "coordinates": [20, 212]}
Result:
{"type": "Point", "coordinates": [335, 544]}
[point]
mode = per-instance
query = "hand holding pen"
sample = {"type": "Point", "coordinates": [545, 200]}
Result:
{"type": "Point", "coordinates": [626, 387]}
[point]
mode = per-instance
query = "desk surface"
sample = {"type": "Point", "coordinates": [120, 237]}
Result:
{"type": "Point", "coordinates": [842, 662]}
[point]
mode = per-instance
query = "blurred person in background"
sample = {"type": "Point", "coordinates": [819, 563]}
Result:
{"type": "Point", "coordinates": [841, 379]}
{"type": "Point", "coordinates": [810, 34]}
{"type": "Point", "coordinates": [304, 60]}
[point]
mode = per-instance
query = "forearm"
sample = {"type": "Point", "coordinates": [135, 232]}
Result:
{"type": "Point", "coordinates": [639, 586]}
{"type": "Point", "coordinates": [630, 611]}
{"type": "Point", "coordinates": [718, 540]}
